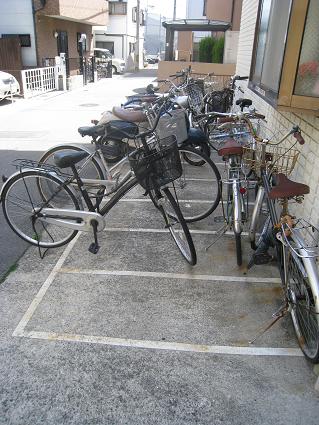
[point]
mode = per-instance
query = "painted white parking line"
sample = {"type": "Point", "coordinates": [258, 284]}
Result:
{"type": "Point", "coordinates": [19, 330]}
{"type": "Point", "coordinates": [161, 275]}
{"type": "Point", "coordinates": [170, 346]}
{"type": "Point", "coordinates": [145, 230]}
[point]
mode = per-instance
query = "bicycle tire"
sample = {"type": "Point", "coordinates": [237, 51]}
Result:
{"type": "Point", "coordinates": [201, 147]}
{"type": "Point", "coordinates": [94, 172]}
{"type": "Point", "coordinates": [197, 191]}
{"type": "Point", "coordinates": [21, 195]}
{"type": "Point", "coordinates": [166, 204]}
{"type": "Point", "coordinates": [304, 305]}
{"type": "Point", "coordinates": [239, 252]}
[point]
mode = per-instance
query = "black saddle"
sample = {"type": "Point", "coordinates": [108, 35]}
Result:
{"type": "Point", "coordinates": [92, 131]}
{"type": "Point", "coordinates": [120, 130]}
{"type": "Point", "coordinates": [66, 159]}
{"type": "Point", "coordinates": [244, 103]}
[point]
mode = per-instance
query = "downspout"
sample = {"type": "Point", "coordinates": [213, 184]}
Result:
{"type": "Point", "coordinates": [34, 11]}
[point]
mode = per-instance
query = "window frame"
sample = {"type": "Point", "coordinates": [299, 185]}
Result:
{"type": "Point", "coordinates": [286, 100]}
{"type": "Point", "coordinates": [266, 93]}
{"type": "Point", "coordinates": [113, 4]}
{"type": "Point", "coordinates": [25, 39]}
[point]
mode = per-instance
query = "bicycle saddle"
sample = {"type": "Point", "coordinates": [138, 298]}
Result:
{"type": "Point", "coordinates": [286, 188]}
{"type": "Point", "coordinates": [66, 159]}
{"type": "Point", "coordinates": [126, 115]}
{"type": "Point", "coordinates": [93, 131]}
{"type": "Point", "coordinates": [230, 147]}
{"type": "Point", "coordinates": [243, 103]}
{"type": "Point", "coordinates": [120, 129]}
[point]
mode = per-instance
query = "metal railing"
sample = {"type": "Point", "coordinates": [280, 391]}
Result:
{"type": "Point", "coordinates": [39, 80]}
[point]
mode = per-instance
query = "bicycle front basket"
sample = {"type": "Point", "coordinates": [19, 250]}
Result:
{"type": "Point", "coordinates": [158, 167]}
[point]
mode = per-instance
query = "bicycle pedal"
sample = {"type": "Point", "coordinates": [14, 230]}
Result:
{"type": "Point", "coordinates": [219, 219]}
{"type": "Point", "coordinates": [261, 258]}
{"type": "Point", "coordinates": [94, 248]}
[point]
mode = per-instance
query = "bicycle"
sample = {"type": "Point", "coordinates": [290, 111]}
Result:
{"type": "Point", "coordinates": [197, 196]}
{"type": "Point", "coordinates": [42, 207]}
{"type": "Point", "coordinates": [295, 240]}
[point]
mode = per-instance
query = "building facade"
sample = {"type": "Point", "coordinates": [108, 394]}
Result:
{"type": "Point", "coordinates": [284, 78]}
{"type": "Point", "coordinates": [49, 27]}
{"type": "Point", "coordinates": [120, 34]}
{"type": "Point", "coordinates": [220, 10]}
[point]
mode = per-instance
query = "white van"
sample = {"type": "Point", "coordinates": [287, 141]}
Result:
{"type": "Point", "coordinates": [104, 55]}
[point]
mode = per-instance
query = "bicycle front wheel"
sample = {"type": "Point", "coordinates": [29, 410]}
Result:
{"type": "Point", "coordinates": [197, 191]}
{"type": "Point", "coordinates": [21, 198]}
{"type": "Point", "coordinates": [304, 307]}
{"type": "Point", "coordinates": [175, 222]}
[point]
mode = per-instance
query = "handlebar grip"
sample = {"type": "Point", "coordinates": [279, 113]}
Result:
{"type": "Point", "coordinates": [299, 138]}
{"type": "Point", "coordinates": [223, 120]}
{"type": "Point", "coordinates": [162, 81]}
{"type": "Point", "coordinates": [261, 116]}
{"type": "Point", "coordinates": [242, 78]}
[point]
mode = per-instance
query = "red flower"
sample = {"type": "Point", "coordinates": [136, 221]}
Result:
{"type": "Point", "coordinates": [308, 68]}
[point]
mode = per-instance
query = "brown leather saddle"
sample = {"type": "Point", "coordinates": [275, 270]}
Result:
{"type": "Point", "coordinates": [230, 147]}
{"type": "Point", "coordinates": [128, 115]}
{"type": "Point", "coordinates": [286, 188]}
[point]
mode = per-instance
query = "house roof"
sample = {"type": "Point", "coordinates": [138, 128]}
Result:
{"type": "Point", "coordinates": [196, 25]}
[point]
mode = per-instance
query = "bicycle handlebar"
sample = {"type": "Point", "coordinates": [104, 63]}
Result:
{"type": "Point", "coordinates": [297, 135]}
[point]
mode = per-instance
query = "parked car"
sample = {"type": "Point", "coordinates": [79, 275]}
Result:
{"type": "Point", "coordinates": [104, 55]}
{"type": "Point", "coordinates": [8, 85]}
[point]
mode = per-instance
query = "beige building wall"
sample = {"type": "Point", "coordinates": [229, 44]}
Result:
{"type": "Point", "coordinates": [225, 10]}
{"type": "Point", "coordinates": [307, 170]}
{"type": "Point", "coordinates": [47, 46]}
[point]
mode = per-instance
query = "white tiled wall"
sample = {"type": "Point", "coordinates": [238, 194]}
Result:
{"type": "Point", "coordinates": [307, 168]}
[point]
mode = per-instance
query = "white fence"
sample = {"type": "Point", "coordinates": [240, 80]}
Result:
{"type": "Point", "coordinates": [41, 80]}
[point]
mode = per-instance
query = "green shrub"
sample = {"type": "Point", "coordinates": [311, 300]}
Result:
{"type": "Point", "coordinates": [218, 50]}
{"type": "Point", "coordinates": [205, 49]}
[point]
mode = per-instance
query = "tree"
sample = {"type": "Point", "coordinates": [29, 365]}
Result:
{"type": "Point", "coordinates": [205, 49]}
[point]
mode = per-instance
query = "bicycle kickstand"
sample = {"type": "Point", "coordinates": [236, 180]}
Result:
{"type": "Point", "coordinates": [94, 247]}
{"type": "Point", "coordinates": [279, 314]}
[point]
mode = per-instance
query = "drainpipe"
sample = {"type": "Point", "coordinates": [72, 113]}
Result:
{"type": "Point", "coordinates": [34, 11]}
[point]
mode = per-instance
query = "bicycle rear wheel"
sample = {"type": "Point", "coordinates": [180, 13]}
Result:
{"type": "Point", "coordinates": [304, 306]}
{"type": "Point", "coordinates": [175, 222]}
{"type": "Point", "coordinates": [21, 197]}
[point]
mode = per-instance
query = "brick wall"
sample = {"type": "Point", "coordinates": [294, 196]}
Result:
{"type": "Point", "coordinates": [307, 168]}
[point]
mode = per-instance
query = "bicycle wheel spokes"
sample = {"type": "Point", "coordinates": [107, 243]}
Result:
{"type": "Point", "coordinates": [22, 198]}
{"type": "Point", "coordinates": [197, 190]}
{"type": "Point", "coordinates": [304, 314]}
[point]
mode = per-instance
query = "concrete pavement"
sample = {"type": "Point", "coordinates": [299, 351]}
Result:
{"type": "Point", "coordinates": [134, 335]}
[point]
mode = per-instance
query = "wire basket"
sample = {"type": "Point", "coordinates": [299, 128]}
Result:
{"type": "Point", "coordinates": [302, 237]}
{"type": "Point", "coordinates": [195, 93]}
{"type": "Point", "coordinates": [220, 101]}
{"type": "Point", "coordinates": [158, 167]}
{"type": "Point", "coordinates": [173, 123]}
{"type": "Point", "coordinates": [278, 159]}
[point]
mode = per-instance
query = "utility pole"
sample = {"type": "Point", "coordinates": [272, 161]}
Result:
{"type": "Point", "coordinates": [174, 13]}
{"type": "Point", "coordinates": [137, 42]}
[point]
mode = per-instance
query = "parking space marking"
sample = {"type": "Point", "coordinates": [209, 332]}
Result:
{"type": "Point", "coordinates": [189, 201]}
{"type": "Point", "coordinates": [145, 230]}
{"type": "Point", "coordinates": [161, 275]}
{"type": "Point", "coordinates": [165, 345]}
{"type": "Point", "coordinates": [19, 330]}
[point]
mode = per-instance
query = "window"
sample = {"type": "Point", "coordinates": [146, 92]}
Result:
{"type": "Point", "coordinates": [269, 48]}
{"type": "Point", "coordinates": [204, 7]}
{"type": "Point", "coordinates": [109, 45]}
{"type": "Point", "coordinates": [307, 80]}
{"type": "Point", "coordinates": [25, 39]}
{"type": "Point", "coordinates": [117, 8]}
{"type": "Point", "coordinates": [134, 14]}
{"type": "Point", "coordinates": [131, 48]}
